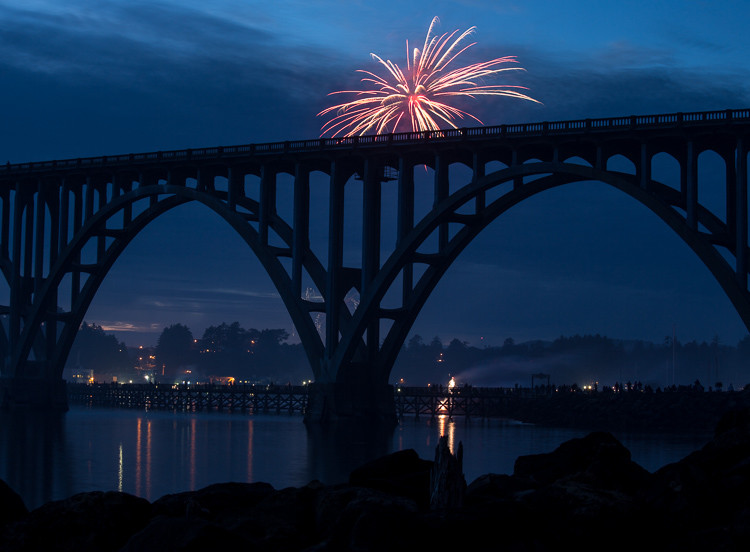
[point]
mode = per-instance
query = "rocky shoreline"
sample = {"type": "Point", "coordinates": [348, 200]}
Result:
{"type": "Point", "coordinates": [587, 494]}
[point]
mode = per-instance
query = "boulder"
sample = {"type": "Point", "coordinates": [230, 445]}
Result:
{"type": "Point", "coordinates": [94, 521]}
{"type": "Point", "coordinates": [492, 487]}
{"type": "Point", "coordinates": [217, 501]}
{"type": "Point", "coordinates": [283, 520]}
{"type": "Point", "coordinates": [401, 473]}
{"type": "Point", "coordinates": [363, 519]}
{"type": "Point", "coordinates": [171, 534]}
{"type": "Point", "coordinates": [711, 484]}
{"type": "Point", "coordinates": [597, 459]}
{"type": "Point", "coordinates": [12, 508]}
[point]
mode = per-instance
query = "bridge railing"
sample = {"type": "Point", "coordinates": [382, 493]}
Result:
{"type": "Point", "coordinates": [633, 122]}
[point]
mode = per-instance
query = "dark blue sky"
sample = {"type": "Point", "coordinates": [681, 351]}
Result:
{"type": "Point", "coordinates": [97, 77]}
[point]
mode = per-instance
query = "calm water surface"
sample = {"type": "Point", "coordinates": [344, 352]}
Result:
{"type": "Point", "coordinates": [154, 453]}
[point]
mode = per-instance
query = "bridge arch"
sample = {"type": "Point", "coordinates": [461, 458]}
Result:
{"type": "Point", "coordinates": [168, 197]}
{"type": "Point", "coordinates": [657, 197]}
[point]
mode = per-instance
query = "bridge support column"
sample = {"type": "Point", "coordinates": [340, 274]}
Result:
{"type": "Point", "coordinates": [644, 167]}
{"type": "Point", "coordinates": [405, 218]}
{"type": "Point", "coordinates": [478, 171]}
{"type": "Point", "coordinates": [741, 214]}
{"type": "Point", "coordinates": [442, 190]}
{"type": "Point", "coordinates": [356, 402]}
{"type": "Point", "coordinates": [691, 183]}
{"type": "Point", "coordinates": [34, 394]}
{"type": "Point", "coordinates": [335, 291]}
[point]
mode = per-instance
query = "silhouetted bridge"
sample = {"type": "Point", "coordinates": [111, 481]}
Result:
{"type": "Point", "coordinates": [64, 223]}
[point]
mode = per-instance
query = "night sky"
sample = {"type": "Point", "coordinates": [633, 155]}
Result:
{"type": "Point", "coordinates": [97, 77]}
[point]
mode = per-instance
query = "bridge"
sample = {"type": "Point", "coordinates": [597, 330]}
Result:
{"type": "Point", "coordinates": [64, 223]}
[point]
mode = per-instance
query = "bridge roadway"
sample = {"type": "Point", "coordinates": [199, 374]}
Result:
{"type": "Point", "coordinates": [601, 128]}
{"type": "Point", "coordinates": [63, 224]}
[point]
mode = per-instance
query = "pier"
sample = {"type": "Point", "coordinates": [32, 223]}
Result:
{"type": "Point", "coordinates": [252, 399]}
{"type": "Point", "coordinates": [292, 399]}
{"type": "Point", "coordinates": [675, 408]}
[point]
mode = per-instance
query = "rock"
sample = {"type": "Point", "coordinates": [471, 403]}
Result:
{"type": "Point", "coordinates": [171, 534]}
{"type": "Point", "coordinates": [585, 491]}
{"type": "Point", "coordinates": [95, 521]}
{"type": "Point", "coordinates": [12, 508]}
{"type": "Point", "coordinates": [597, 459]}
{"type": "Point", "coordinates": [733, 429]}
{"type": "Point", "coordinates": [401, 473]}
{"type": "Point", "coordinates": [332, 501]}
{"type": "Point", "coordinates": [217, 501]}
{"type": "Point", "coordinates": [363, 519]}
{"type": "Point", "coordinates": [492, 487]}
{"type": "Point", "coordinates": [228, 516]}
{"type": "Point", "coordinates": [711, 483]}
{"type": "Point", "coordinates": [283, 520]}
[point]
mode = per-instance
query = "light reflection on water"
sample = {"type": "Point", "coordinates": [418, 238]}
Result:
{"type": "Point", "coordinates": [154, 453]}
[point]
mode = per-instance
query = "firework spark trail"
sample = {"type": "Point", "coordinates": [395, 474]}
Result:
{"type": "Point", "coordinates": [414, 96]}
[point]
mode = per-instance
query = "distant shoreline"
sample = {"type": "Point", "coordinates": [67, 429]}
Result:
{"type": "Point", "coordinates": [680, 410]}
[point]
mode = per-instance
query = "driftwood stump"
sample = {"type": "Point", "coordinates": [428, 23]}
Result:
{"type": "Point", "coordinates": [447, 482]}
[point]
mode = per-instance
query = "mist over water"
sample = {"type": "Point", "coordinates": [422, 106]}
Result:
{"type": "Point", "coordinates": [151, 454]}
{"type": "Point", "coordinates": [512, 371]}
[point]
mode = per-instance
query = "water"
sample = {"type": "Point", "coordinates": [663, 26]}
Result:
{"type": "Point", "coordinates": [151, 454]}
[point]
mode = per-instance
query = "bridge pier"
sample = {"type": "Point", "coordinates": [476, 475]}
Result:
{"type": "Point", "coordinates": [36, 394]}
{"type": "Point", "coordinates": [339, 402]}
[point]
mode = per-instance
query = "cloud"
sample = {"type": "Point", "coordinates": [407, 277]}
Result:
{"type": "Point", "coordinates": [141, 77]}
{"type": "Point", "coordinates": [129, 327]}
{"type": "Point", "coordinates": [147, 46]}
{"type": "Point", "coordinates": [239, 293]}
{"type": "Point", "coordinates": [201, 300]}
{"type": "Point", "coordinates": [121, 40]}
{"type": "Point", "coordinates": [623, 81]}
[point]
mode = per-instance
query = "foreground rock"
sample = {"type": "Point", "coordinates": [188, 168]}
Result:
{"type": "Point", "coordinates": [587, 494]}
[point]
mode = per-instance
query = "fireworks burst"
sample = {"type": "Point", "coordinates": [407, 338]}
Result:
{"type": "Point", "coordinates": [418, 95]}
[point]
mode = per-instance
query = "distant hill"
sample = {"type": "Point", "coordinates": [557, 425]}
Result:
{"type": "Point", "coordinates": [580, 359]}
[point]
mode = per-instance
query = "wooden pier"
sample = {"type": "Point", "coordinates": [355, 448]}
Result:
{"type": "Point", "coordinates": [252, 399]}
{"type": "Point", "coordinates": [471, 402]}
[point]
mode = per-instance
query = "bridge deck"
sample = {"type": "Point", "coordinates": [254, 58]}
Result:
{"type": "Point", "coordinates": [545, 128]}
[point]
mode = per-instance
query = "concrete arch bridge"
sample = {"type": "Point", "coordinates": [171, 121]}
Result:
{"type": "Point", "coordinates": [64, 223]}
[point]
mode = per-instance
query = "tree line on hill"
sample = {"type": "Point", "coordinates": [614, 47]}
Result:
{"type": "Point", "coordinates": [580, 359]}
{"type": "Point", "coordinates": [226, 350]}
{"type": "Point", "coordinates": [229, 350]}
